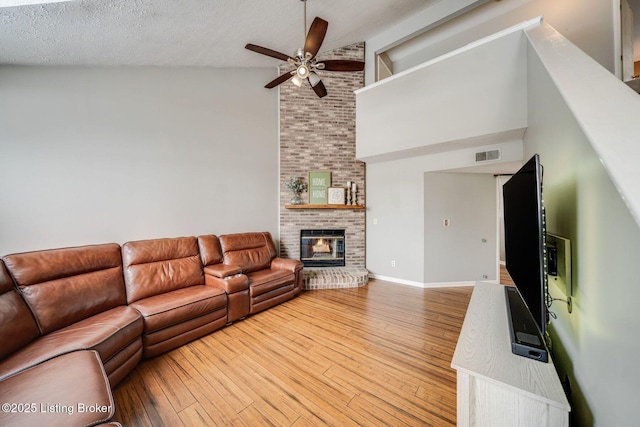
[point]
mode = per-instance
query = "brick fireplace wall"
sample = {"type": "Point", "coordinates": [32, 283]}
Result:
{"type": "Point", "coordinates": [320, 134]}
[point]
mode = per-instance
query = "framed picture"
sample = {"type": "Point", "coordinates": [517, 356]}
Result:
{"type": "Point", "coordinates": [319, 182]}
{"type": "Point", "coordinates": [335, 195]}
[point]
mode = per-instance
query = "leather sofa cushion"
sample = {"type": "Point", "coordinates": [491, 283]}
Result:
{"type": "Point", "coordinates": [64, 286]}
{"type": "Point", "coordinates": [250, 251]}
{"type": "Point", "coordinates": [210, 250]}
{"type": "Point", "coordinates": [177, 306]}
{"type": "Point", "coordinates": [107, 332]}
{"type": "Point", "coordinates": [264, 281]}
{"type": "Point", "coordinates": [155, 267]}
{"type": "Point", "coordinates": [17, 327]}
{"type": "Point", "coordinates": [69, 380]}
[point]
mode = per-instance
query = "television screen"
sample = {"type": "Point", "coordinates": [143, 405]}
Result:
{"type": "Point", "coordinates": [525, 238]}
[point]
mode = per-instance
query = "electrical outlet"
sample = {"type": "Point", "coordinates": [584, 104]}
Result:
{"type": "Point", "coordinates": [446, 222]}
{"type": "Point", "coordinates": [393, 263]}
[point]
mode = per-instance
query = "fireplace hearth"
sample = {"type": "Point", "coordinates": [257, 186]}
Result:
{"type": "Point", "coordinates": [322, 248]}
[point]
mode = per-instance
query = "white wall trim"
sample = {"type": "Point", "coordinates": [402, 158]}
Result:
{"type": "Point", "coordinates": [424, 285]}
{"type": "Point", "coordinates": [396, 280]}
{"type": "Point", "coordinates": [451, 284]}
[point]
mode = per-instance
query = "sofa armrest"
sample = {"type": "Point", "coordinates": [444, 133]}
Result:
{"type": "Point", "coordinates": [292, 265]}
{"type": "Point", "coordinates": [222, 270]}
{"type": "Point", "coordinates": [229, 284]}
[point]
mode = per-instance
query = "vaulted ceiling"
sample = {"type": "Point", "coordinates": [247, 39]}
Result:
{"type": "Point", "coordinates": [181, 33]}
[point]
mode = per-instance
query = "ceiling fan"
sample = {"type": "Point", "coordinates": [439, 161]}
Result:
{"type": "Point", "coordinates": [305, 59]}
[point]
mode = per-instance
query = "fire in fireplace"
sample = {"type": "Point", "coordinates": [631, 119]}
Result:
{"type": "Point", "coordinates": [322, 248]}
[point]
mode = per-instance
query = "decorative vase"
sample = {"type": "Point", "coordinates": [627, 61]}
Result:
{"type": "Point", "coordinates": [296, 200]}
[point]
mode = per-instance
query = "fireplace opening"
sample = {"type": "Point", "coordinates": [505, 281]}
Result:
{"type": "Point", "coordinates": [322, 248]}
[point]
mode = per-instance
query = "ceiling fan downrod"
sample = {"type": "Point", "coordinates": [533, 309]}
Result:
{"type": "Point", "coordinates": [302, 61]}
{"type": "Point", "coordinates": [304, 30]}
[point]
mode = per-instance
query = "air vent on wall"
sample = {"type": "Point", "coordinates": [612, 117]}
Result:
{"type": "Point", "coordinates": [484, 156]}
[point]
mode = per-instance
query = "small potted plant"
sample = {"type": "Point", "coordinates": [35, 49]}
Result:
{"type": "Point", "coordinates": [297, 187]}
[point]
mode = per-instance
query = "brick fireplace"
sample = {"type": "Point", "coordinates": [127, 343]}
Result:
{"type": "Point", "coordinates": [319, 134]}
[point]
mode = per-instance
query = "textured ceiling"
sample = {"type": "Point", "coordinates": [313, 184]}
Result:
{"type": "Point", "coordinates": [184, 32]}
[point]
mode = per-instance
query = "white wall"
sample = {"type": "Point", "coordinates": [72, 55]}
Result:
{"type": "Point", "coordinates": [396, 209]}
{"type": "Point", "coordinates": [404, 109]}
{"type": "Point", "coordinates": [94, 155]}
{"type": "Point", "coordinates": [464, 251]}
{"type": "Point", "coordinates": [589, 24]}
{"type": "Point", "coordinates": [595, 344]}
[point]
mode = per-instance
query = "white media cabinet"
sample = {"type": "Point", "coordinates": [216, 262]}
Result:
{"type": "Point", "coordinates": [496, 387]}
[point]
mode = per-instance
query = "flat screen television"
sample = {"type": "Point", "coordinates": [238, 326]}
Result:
{"type": "Point", "coordinates": [524, 234]}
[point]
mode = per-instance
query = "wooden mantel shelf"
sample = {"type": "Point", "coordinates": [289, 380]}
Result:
{"type": "Point", "coordinates": [324, 206]}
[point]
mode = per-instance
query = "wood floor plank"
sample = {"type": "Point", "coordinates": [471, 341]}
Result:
{"type": "Point", "coordinates": [196, 415]}
{"type": "Point", "coordinates": [400, 403]}
{"type": "Point", "coordinates": [129, 406]}
{"type": "Point", "coordinates": [377, 355]}
{"type": "Point", "coordinates": [178, 394]}
{"type": "Point", "coordinates": [218, 408]}
{"type": "Point", "coordinates": [216, 376]}
{"type": "Point", "coordinates": [153, 398]}
{"type": "Point", "coordinates": [285, 378]}
{"type": "Point", "coordinates": [379, 415]}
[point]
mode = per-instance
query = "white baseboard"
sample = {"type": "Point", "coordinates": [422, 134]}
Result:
{"type": "Point", "coordinates": [421, 284]}
{"type": "Point", "coordinates": [449, 284]}
{"type": "Point", "coordinates": [395, 280]}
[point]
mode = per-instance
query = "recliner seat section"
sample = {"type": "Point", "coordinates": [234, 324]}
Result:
{"type": "Point", "coordinates": [165, 283]}
{"type": "Point", "coordinates": [272, 280]}
{"type": "Point", "coordinates": [77, 299]}
{"type": "Point", "coordinates": [38, 383]}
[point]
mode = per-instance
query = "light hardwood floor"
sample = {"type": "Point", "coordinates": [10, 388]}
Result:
{"type": "Point", "coordinates": [373, 356]}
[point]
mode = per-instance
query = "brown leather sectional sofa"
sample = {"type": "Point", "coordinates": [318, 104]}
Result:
{"type": "Point", "coordinates": [75, 321]}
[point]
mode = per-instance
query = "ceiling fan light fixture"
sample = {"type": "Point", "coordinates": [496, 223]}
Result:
{"type": "Point", "coordinates": [314, 79]}
{"type": "Point", "coordinates": [297, 81]}
{"type": "Point", "coordinates": [302, 71]}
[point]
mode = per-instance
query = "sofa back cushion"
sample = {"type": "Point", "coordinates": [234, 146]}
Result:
{"type": "Point", "coordinates": [64, 286]}
{"type": "Point", "coordinates": [153, 267]}
{"type": "Point", "coordinates": [17, 326]}
{"type": "Point", "coordinates": [210, 250]}
{"type": "Point", "coordinates": [250, 251]}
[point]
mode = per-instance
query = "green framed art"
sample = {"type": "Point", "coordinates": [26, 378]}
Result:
{"type": "Point", "coordinates": [319, 182]}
